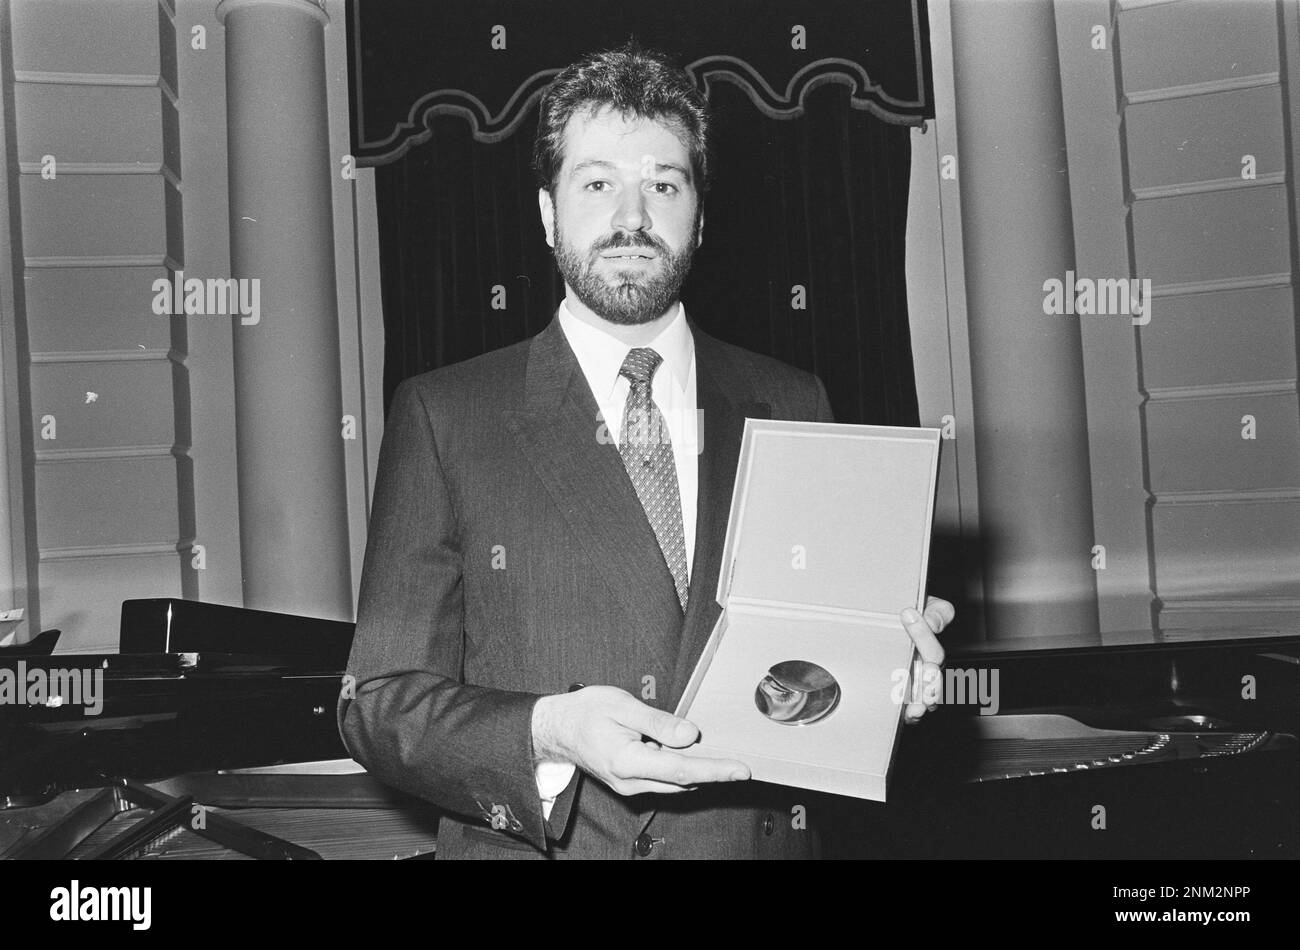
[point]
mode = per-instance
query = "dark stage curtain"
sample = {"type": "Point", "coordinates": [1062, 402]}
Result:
{"type": "Point", "coordinates": [818, 201]}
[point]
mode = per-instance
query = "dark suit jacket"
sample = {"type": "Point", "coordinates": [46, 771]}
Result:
{"type": "Point", "coordinates": [508, 558]}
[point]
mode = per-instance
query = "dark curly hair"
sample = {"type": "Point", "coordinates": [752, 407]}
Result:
{"type": "Point", "coordinates": [637, 82]}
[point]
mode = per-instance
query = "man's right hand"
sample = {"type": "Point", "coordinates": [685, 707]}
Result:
{"type": "Point", "coordinates": [600, 728]}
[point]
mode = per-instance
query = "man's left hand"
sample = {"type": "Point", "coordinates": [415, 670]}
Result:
{"type": "Point", "coordinates": [924, 630]}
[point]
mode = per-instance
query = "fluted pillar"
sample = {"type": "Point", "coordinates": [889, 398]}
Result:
{"type": "Point", "coordinates": [292, 500]}
{"type": "Point", "coordinates": [1031, 439]}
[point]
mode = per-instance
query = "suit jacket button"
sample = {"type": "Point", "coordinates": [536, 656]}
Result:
{"type": "Point", "coordinates": [769, 824]}
{"type": "Point", "coordinates": [644, 844]}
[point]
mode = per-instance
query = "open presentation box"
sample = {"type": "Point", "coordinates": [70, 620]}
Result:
{"type": "Point", "coordinates": [805, 675]}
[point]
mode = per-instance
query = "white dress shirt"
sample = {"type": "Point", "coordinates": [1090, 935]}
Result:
{"type": "Point", "coordinates": [600, 356]}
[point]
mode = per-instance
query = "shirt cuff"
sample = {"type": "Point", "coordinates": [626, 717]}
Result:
{"type": "Point", "coordinates": [552, 778]}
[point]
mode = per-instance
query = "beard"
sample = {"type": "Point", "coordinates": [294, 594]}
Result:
{"type": "Point", "coordinates": [629, 296]}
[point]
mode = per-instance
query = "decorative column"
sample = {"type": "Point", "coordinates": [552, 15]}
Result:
{"type": "Point", "coordinates": [292, 504]}
{"type": "Point", "coordinates": [1030, 421]}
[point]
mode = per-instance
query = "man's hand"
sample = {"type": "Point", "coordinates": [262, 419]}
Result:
{"type": "Point", "coordinates": [924, 630]}
{"type": "Point", "coordinates": [599, 729]}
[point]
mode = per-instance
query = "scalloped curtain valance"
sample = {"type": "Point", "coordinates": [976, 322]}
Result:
{"type": "Point", "coordinates": [489, 62]}
{"type": "Point", "coordinates": [803, 246]}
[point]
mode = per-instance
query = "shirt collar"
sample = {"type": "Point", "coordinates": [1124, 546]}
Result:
{"type": "Point", "coordinates": [601, 355]}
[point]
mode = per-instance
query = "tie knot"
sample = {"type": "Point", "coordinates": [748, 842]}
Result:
{"type": "Point", "coordinates": [640, 364]}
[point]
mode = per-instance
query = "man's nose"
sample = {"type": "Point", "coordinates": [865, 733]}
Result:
{"type": "Point", "coordinates": [631, 213]}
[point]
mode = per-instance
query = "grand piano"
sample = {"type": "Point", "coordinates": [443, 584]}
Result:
{"type": "Point", "coordinates": [1179, 749]}
{"type": "Point", "coordinates": [216, 739]}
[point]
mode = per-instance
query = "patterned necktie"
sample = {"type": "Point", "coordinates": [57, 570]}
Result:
{"type": "Point", "coordinates": [647, 452]}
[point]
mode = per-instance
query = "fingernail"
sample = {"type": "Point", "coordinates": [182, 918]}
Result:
{"type": "Point", "coordinates": [910, 616]}
{"type": "Point", "coordinates": [739, 776]}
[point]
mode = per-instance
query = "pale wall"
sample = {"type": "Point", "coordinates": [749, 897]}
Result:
{"type": "Point", "coordinates": [134, 116]}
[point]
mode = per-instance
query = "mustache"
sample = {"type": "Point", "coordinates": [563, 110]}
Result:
{"type": "Point", "coordinates": [636, 239]}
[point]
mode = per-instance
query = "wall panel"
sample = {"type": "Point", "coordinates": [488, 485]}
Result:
{"type": "Point", "coordinates": [1196, 442]}
{"type": "Point", "coordinates": [1218, 338]}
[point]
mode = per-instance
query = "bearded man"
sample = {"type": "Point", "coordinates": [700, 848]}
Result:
{"type": "Point", "coordinates": [548, 524]}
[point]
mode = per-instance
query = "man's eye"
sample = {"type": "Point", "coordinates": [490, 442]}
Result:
{"type": "Point", "coordinates": [597, 186]}
{"type": "Point", "coordinates": [663, 188]}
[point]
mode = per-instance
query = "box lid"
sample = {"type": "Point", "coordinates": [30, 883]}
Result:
{"type": "Point", "coordinates": [830, 516]}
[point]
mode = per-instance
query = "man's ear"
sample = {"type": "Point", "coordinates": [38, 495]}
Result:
{"type": "Point", "coordinates": [547, 208]}
{"type": "Point", "coordinates": [699, 230]}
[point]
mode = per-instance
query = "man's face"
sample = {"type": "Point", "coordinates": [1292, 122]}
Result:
{"type": "Point", "coordinates": [625, 219]}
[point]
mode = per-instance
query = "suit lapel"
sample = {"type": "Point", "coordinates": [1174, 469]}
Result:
{"type": "Point", "coordinates": [723, 398]}
{"type": "Point", "coordinates": [558, 433]}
